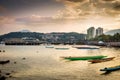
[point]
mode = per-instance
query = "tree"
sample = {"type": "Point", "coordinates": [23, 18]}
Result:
{"type": "Point", "coordinates": [116, 37]}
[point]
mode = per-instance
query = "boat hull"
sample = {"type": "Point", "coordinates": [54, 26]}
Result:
{"type": "Point", "coordinates": [49, 47]}
{"type": "Point", "coordinates": [101, 60]}
{"type": "Point", "coordinates": [86, 47]}
{"type": "Point", "coordinates": [62, 48]}
{"type": "Point", "coordinates": [84, 58]}
{"type": "Point", "coordinates": [111, 68]}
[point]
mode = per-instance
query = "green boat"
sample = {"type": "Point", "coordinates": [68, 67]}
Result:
{"type": "Point", "coordinates": [84, 58]}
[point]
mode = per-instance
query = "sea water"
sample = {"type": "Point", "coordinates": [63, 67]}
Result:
{"type": "Point", "coordinates": [41, 63]}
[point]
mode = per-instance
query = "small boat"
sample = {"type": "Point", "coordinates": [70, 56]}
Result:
{"type": "Point", "coordinates": [114, 68]}
{"type": "Point", "coordinates": [87, 47]}
{"type": "Point", "coordinates": [84, 58]}
{"type": "Point", "coordinates": [62, 48]}
{"type": "Point", "coordinates": [49, 46]}
{"type": "Point", "coordinates": [101, 60]}
{"type": "Point", "coordinates": [2, 43]}
{"type": "Point", "coordinates": [4, 62]}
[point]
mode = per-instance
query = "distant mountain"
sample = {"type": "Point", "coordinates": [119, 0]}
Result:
{"type": "Point", "coordinates": [112, 32]}
{"type": "Point", "coordinates": [25, 30]}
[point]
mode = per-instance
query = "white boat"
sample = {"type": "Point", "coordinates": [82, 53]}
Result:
{"type": "Point", "coordinates": [2, 43]}
{"type": "Point", "coordinates": [62, 48]}
{"type": "Point", "coordinates": [49, 46]}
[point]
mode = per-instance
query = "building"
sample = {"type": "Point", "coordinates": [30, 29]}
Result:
{"type": "Point", "coordinates": [99, 31]}
{"type": "Point", "coordinates": [91, 33]}
{"type": "Point", "coordinates": [22, 41]}
{"type": "Point", "coordinates": [14, 40]}
{"type": "Point", "coordinates": [30, 40]}
{"type": "Point", "coordinates": [52, 37]}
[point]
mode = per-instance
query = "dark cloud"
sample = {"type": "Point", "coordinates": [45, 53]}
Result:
{"type": "Point", "coordinates": [76, 0]}
{"type": "Point", "coordinates": [108, 0]}
{"type": "Point", "coordinates": [80, 8]}
{"type": "Point", "coordinates": [21, 4]}
{"type": "Point", "coordinates": [117, 6]}
{"type": "Point", "coordinates": [30, 6]}
{"type": "Point", "coordinates": [3, 11]}
{"type": "Point", "coordinates": [6, 20]}
{"type": "Point", "coordinates": [34, 19]}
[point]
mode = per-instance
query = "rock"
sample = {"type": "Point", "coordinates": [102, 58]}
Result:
{"type": "Point", "coordinates": [10, 76]}
{"type": "Point", "coordinates": [8, 73]}
{"type": "Point", "coordinates": [3, 50]}
{"type": "Point", "coordinates": [23, 58]}
{"type": "Point", "coordinates": [2, 78]}
{"type": "Point", "coordinates": [15, 62]}
{"type": "Point", "coordinates": [12, 71]}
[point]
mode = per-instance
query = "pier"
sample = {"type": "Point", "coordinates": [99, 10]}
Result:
{"type": "Point", "coordinates": [108, 44]}
{"type": "Point", "coordinates": [22, 43]}
{"type": "Point", "coordinates": [113, 44]}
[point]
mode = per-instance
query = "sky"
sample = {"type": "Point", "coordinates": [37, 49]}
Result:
{"type": "Point", "coordinates": [58, 15]}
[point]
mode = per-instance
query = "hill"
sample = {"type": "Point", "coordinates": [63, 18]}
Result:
{"type": "Point", "coordinates": [21, 35]}
{"type": "Point", "coordinates": [54, 37]}
{"type": "Point", "coordinates": [112, 32]}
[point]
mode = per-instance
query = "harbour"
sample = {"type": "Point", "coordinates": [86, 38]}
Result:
{"type": "Point", "coordinates": [41, 63]}
{"type": "Point", "coordinates": [59, 39]}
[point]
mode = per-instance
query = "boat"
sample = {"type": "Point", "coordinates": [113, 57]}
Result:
{"type": "Point", "coordinates": [62, 48]}
{"type": "Point", "coordinates": [108, 69]}
{"type": "Point", "coordinates": [49, 46]}
{"type": "Point", "coordinates": [2, 43]}
{"type": "Point", "coordinates": [4, 62]}
{"type": "Point", "coordinates": [84, 58]}
{"type": "Point", "coordinates": [101, 60]}
{"type": "Point", "coordinates": [87, 47]}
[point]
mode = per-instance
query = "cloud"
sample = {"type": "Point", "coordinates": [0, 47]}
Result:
{"type": "Point", "coordinates": [117, 6]}
{"type": "Point", "coordinates": [75, 15]}
{"type": "Point", "coordinates": [8, 23]}
{"type": "Point", "coordinates": [3, 10]}
{"type": "Point", "coordinates": [108, 0]}
{"type": "Point", "coordinates": [29, 21]}
{"type": "Point", "coordinates": [34, 19]}
{"type": "Point", "coordinates": [6, 20]}
{"type": "Point", "coordinates": [76, 9]}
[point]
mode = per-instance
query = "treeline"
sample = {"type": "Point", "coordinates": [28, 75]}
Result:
{"type": "Point", "coordinates": [108, 38]}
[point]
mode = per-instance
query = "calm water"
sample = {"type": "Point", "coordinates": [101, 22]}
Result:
{"type": "Point", "coordinates": [45, 63]}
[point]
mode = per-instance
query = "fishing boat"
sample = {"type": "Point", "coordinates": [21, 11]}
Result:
{"type": "Point", "coordinates": [84, 58]}
{"type": "Point", "coordinates": [114, 68]}
{"type": "Point", "coordinates": [87, 47]}
{"type": "Point", "coordinates": [101, 60]}
{"type": "Point", "coordinates": [62, 48]}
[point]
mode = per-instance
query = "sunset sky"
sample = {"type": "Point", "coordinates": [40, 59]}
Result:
{"type": "Point", "coordinates": [58, 15]}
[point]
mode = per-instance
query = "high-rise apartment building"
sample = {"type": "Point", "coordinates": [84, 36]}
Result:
{"type": "Point", "coordinates": [91, 33]}
{"type": "Point", "coordinates": [99, 31]}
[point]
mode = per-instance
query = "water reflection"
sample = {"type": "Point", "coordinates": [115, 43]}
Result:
{"type": "Point", "coordinates": [106, 73]}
